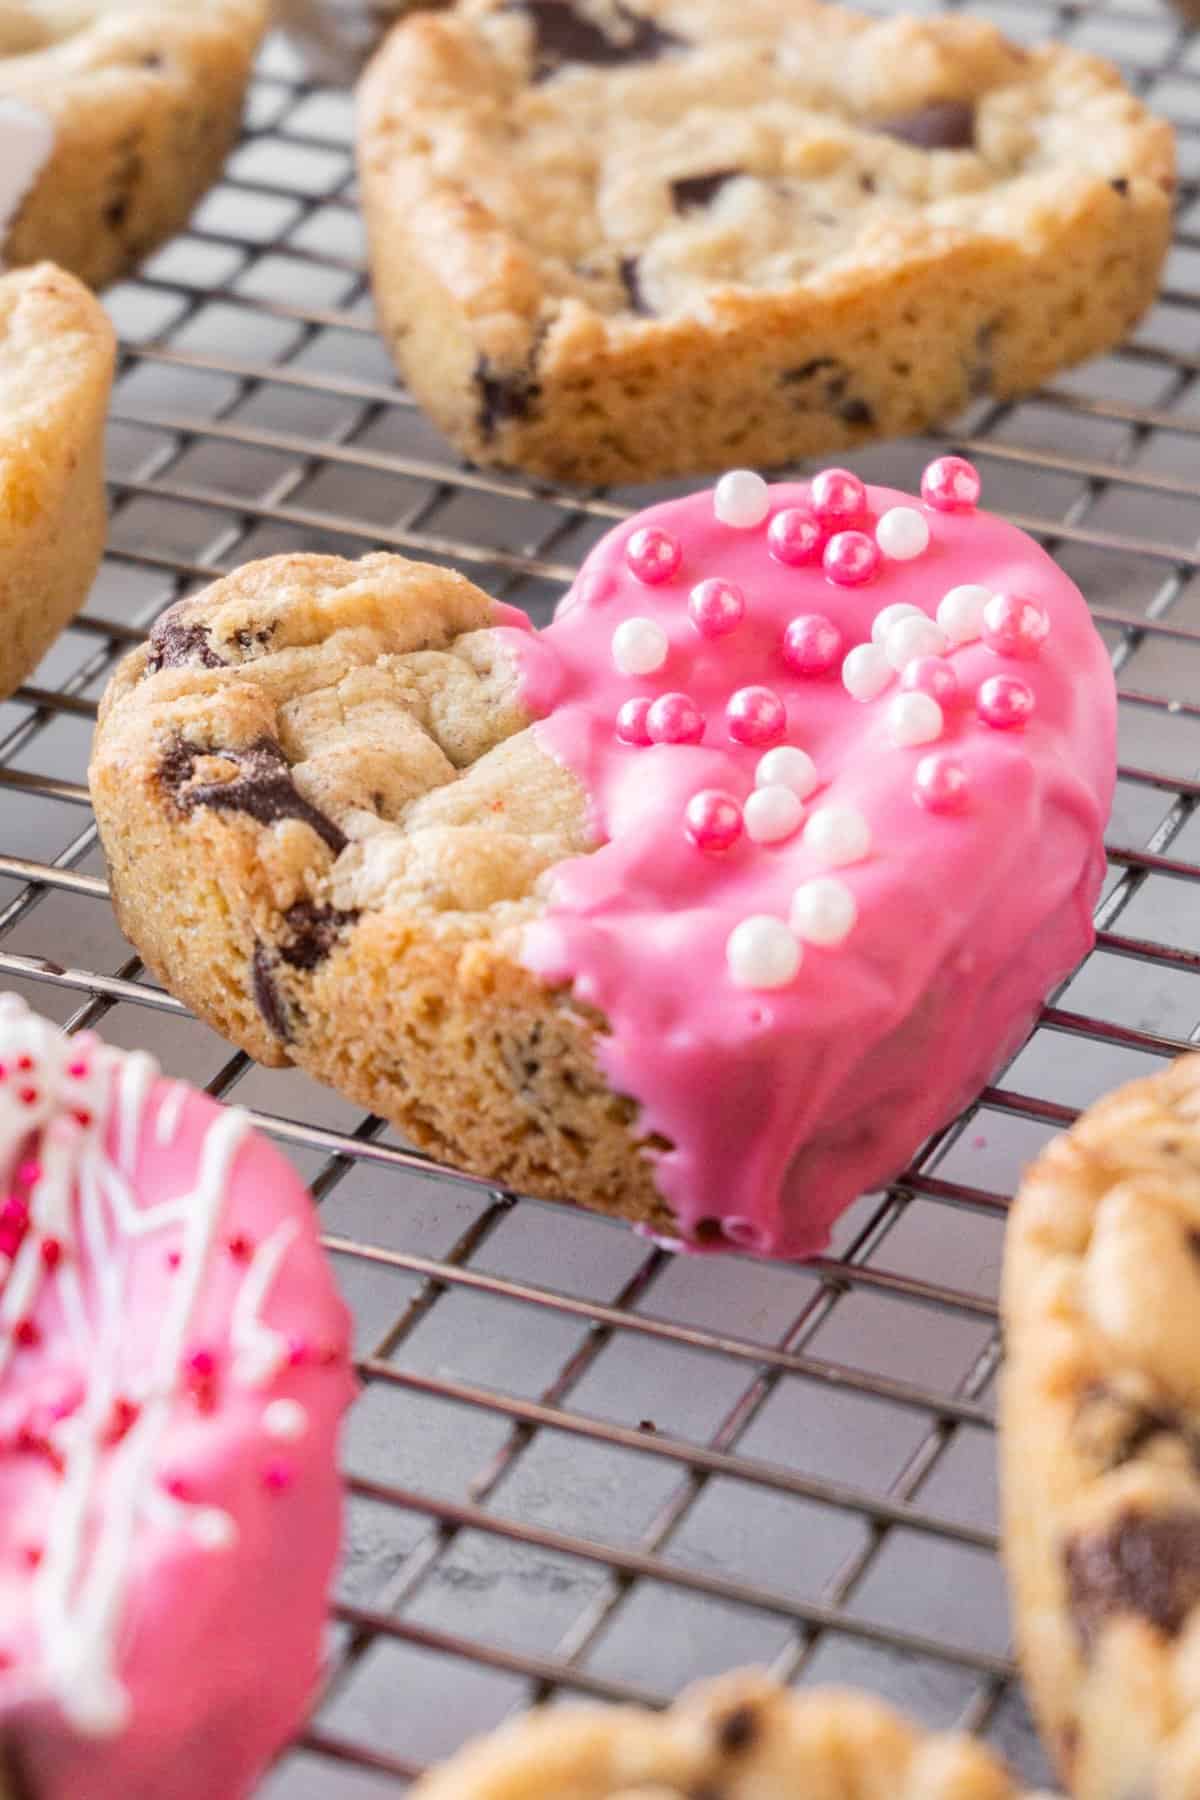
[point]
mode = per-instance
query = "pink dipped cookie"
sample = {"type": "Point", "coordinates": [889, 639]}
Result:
{"type": "Point", "coordinates": [173, 1370]}
{"type": "Point", "coordinates": [704, 906]}
{"type": "Point", "coordinates": [850, 756]}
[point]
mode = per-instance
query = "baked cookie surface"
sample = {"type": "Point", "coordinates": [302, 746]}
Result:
{"type": "Point", "coordinates": [56, 360]}
{"type": "Point", "coordinates": [614, 241]}
{"type": "Point", "coordinates": [741, 1737]}
{"type": "Point", "coordinates": [115, 117]}
{"type": "Point", "coordinates": [1101, 1440]}
{"type": "Point", "coordinates": [696, 907]}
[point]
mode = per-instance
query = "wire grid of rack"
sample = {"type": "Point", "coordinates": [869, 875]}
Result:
{"type": "Point", "coordinates": [580, 1467]}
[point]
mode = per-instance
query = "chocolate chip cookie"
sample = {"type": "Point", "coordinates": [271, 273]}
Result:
{"type": "Point", "coordinates": [56, 361]}
{"type": "Point", "coordinates": [114, 119]}
{"type": "Point", "coordinates": [619, 239]}
{"type": "Point", "coordinates": [1101, 1448]}
{"type": "Point", "coordinates": [739, 1738]}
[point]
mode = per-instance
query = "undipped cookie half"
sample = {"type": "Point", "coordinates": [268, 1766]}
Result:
{"type": "Point", "coordinates": [56, 361]}
{"type": "Point", "coordinates": [616, 241]}
{"type": "Point", "coordinates": [115, 117]}
{"type": "Point", "coordinates": [741, 1737]}
{"type": "Point", "coordinates": [1101, 1440]}
{"type": "Point", "coordinates": [700, 906]}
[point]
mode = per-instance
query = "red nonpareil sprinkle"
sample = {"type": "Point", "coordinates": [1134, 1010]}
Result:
{"type": "Point", "coordinates": [25, 1063]}
{"type": "Point", "coordinates": [241, 1248]}
{"type": "Point", "coordinates": [52, 1252]}
{"type": "Point", "coordinates": [82, 1116]}
{"type": "Point", "coordinates": [299, 1351]}
{"type": "Point", "coordinates": [28, 1096]}
{"type": "Point", "coordinates": [29, 1174]}
{"type": "Point", "coordinates": [176, 1486]}
{"type": "Point", "coordinates": [277, 1476]}
{"type": "Point", "coordinates": [27, 1333]}
{"type": "Point", "coordinates": [174, 1258]}
{"type": "Point", "coordinates": [77, 1070]}
{"type": "Point", "coordinates": [201, 1363]}
{"type": "Point", "coordinates": [14, 1212]}
{"type": "Point", "coordinates": [32, 1555]}
{"type": "Point", "coordinates": [124, 1416]}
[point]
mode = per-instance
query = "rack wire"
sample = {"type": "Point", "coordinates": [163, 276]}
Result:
{"type": "Point", "coordinates": [580, 1467]}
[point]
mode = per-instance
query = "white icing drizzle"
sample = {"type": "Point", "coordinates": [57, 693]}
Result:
{"type": "Point", "coordinates": [68, 1096]}
{"type": "Point", "coordinates": [26, 143]}
{"type": "Point", "coordinates": [258, 1351]}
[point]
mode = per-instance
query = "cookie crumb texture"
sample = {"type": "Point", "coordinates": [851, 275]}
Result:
{"type": "Point", "coordinates": [144, 98]}
{"type": "Point", "coordinates": [173, 1372]}
{"type": "Point", "coordinates": [614, 241]}
{"type": "Point", "coordinates": [739, 1738]}
{"type": "Point", "coordinates": [56, 360]}
{"type": "Point", "coordinates": [1101, 1440]}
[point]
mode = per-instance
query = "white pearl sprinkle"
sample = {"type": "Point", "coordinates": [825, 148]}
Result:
{"type": "Point", "coordinates": [824, 911]}
{"type": "Point", "coordinates": [741, 499]}
{"type": "Point", "coordinates": [772, 814]}
{"type": "Point", "coordinates": [866, 672]}
{"type": "Point", "coordinates": [910, 638]}
{"type": "Point", "coordinates": [762, 952]}
{"type": "Point", "coordinates": [914, 719]}
{"type": "Point", "coordinates": [887, 616]}
{"type": "Point", "coordinates": [789, 767]}
{"type": "Point", "coordinates": [639, 647]}
{"type": "Point", "coordinates": [213, 1529]}
{"type": "Point", "coordinates": [960, 612]}
{"type": "Point", "coordinates": [285, 1419]}
{"type": "Point", "coordinates": [902, 533]}
{"type": "Point", "coordinates": [837, 835]}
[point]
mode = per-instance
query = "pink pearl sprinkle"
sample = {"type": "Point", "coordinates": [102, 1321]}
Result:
{"type": "Point", "coordinates": [812, 644]}
{"type": "Point", "coordinates": [837, 497]}
{"type": "Point", "coordinates": [277, 1476]}
{"type": "Point", "coordinates": [756, 715]}
{"type": "Point", "coordinates": [1014, 627]}
{"type": "Point", "coordinates": [851, 558]}
{"type": "Point", "coordinates": [716, 608]}
{"type": "Point", "coordinates": [1004, 702]}
{"type": "Point", "coordinates": [940, 784]}
{"type": "Point", "coordinates": [674, 719]}
{"type": "Point", "coordinates": [796, 536]}
{"type": "Point", "coordinates": [713, 820]}
{"type": "Point", "coordinates": [631, 722]}
{"type": "Point", "coordinates": [932, 675]}
{"type": "Point", "coordinates": [14, 1212]}
{"type": "Point", "coordinates": [653, 555]}
{"type": "Point", "coordinates": [951, 484]}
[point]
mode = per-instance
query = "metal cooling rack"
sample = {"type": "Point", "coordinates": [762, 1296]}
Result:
{"type": "Point", "coordinates": [579, 1466]}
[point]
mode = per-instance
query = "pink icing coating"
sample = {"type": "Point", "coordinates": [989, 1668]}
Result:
{"type": "Point", "coordinates": [782, 1105]}
{"type": "Point", "coordinates": [210, 1491]}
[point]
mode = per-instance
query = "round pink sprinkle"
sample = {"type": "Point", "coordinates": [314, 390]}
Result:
{"type": "Point", "coordinates": [796, 536]}
{"type": "Point", "coordinates": [951, 484]}
{"type": "Point", "coordinates": [1014, 627]}
{"type": "Point", "coordinates": [812, 644]}
{"type": "Point", "coordinates": [1004, 702]}
{"type": "Point", "coordinates": [716, 608]}
{"type": "Point", "coordinates": [674, 719]}
{"type": "Point", "coordinates": [932, 675]}
{"type": "Point", "coordinates": [14, 1212]}
{"type": "Point", "coordinates": [631, 722]}
{"type": "Point", "coordinates": [77, 1070]}
{"type": "Point", "coordinates": [940, 784]}
{"type": "Point", "coordinates": [653, 555]}
{"type": "Point", "coordinates": [29, 1174]}
{"type": "Point", "coordinates": [851, 558]}
{"type": "Point", "coordinates": [201, 1362]}
{"type": "Point", "coordinates": [837, 497]}
{"type": "Point", "coordinates": [277, 1476]}
{"type": "Point", "coordinates": [713, 820]}
{"type": "Point", "coordinates": [756, 715]}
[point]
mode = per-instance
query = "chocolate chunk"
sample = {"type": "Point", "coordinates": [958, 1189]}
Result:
{"type": "Point", "coordinates": [630, 272]}
{"type": "Point", "coordinates": [314, 932]}
{"type": "Point", "coordinates": [267, 997]}
{"type": "Point", "coordinates": [691, 192]}
{"type": "Point", "coordinates": [867, 183]}
{"type": "Point", "coordinates": [175, 645]}
{"type": "Point", "coordinates": [1193, 1242]}
{"type": "Point", "coordinates": [855, 412]}
{"type": "Point", "coordinates": [737, 1730]}
{"type": "Point", "coordinates": [1119, 185]}
{"type": "Point", "coordinates": [246, 640]}
{"type": "Point", "coordinates": [942, 125]}
{"type": "Point", "coordinates": [502, 396]}
{"type": "Point", "coordinates": [263, 788]}
{"type": "Point", "coordinates": [1143, 1564]}
{"type": "Point", "coordinates": [562, 35]}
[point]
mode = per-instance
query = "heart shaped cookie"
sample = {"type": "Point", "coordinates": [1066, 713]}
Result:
{"type": "Point", "coordinates": [704, 906]}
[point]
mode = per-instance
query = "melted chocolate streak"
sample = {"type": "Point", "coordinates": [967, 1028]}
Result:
{"type": "Point", "coordinates": [263, 790]}
{"type": "Point", "coordinates": [942, 125]}
{"type": "Point", "coordinates": [562, 35]}
{"type": "Point", "coordinates": [174, 645]}
{"type": "Point", "coordinates": [689, 193]}
{"type": "Point", "coordinates": [1144, 1564]}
